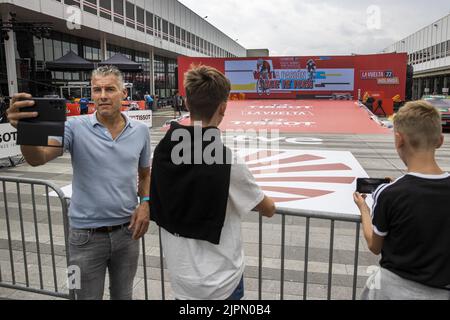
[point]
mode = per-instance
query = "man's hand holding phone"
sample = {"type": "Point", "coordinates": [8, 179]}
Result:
{"type": "Point", "coordinates": [39, 121]}
{"type": "Point", "coordinates": [18, 101]}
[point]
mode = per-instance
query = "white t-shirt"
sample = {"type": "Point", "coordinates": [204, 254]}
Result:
{"type": "Point", "coordinates": [200, 270]}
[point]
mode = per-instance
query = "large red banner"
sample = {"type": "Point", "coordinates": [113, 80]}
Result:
{"type": "Point", "coordinates": [381, 75]}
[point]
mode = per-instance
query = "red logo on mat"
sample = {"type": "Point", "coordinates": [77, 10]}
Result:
{"type": "Point", "coordinates": [259, 163]}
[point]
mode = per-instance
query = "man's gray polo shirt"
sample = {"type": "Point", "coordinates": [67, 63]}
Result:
{"type": "Point", "coordinates": [104, 187]}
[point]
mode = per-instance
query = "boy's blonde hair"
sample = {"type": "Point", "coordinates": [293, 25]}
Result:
{"type": "Point", "coordinates": [420, 122]}
{"type": "Point", "coordinates": [206, 88]}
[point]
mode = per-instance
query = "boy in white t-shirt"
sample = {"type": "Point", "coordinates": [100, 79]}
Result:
{"type": "Point", "coordinates": [199, 204]}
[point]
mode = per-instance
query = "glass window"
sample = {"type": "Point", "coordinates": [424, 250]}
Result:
{"type": "Point", "coordinates": [172, 32]}
{"type": "Point", "coordinates": [87, 53]}
{"type": "Point", "coordinates": [65, 47]}
{"type": "Point", "coordinates": [130, 15]}
{"type": "Point", "coordinates": [149, 22]}
{"type": "Point", "coordinates": [165, 29]}
{"type": "Point", "coordinates": [183, 37]}
{"type": "Point", "coordinates": [90, 6]}
{"type": "Point", "coordinates": [58, 75]}
{"type": "Point", "coordinates": [157, 26]}
{"type": "Point", "coordinates": [72, 3]}
{"type": "Point", "coordinates": [140, 19]}
{"type": "Point", "coordinates": [158, 21]}
{"type": "Point", "coordinates": [74, 47]}
{"type": "Point", "coordinates": [48, 49]}
{"type": "Point", "coordinates": [171, 81]}
{"type": "Point", "coordinates": [193, 41]}
{"type": "Point", "coordinates": [105, 9]}
{"type": "Point", "coordinates": [96, 54]}
{"type": "Point", "coordinates": [178, 34]}
{"type": "Point", "coordinates": [57, 49]}
{"type": "Point", "coordinates": [118, 11]}
{"type": "Point", "coordinates": [188, 39]}
{"type": "Point", "coordinates": [38, 49]}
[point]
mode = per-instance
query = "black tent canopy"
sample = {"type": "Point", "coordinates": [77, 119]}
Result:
{"type": "Point", "coordinates": [122, 63]}
{"type": "Point", "coordinates": [70, 62]}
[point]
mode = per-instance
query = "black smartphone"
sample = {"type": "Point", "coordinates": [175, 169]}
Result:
{"type": "Point", "coordinates": [369, 185]}
{"type": "Point", "coordinates": [47, 129]}
{"type": "Point", "coordinates": [48, 109]}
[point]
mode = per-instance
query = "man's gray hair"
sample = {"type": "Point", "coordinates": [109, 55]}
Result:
{"type": "Point", "coordinates": [105, 71]}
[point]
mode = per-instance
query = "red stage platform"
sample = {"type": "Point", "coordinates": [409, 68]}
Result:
{"type": "Point", "coordinates": [301, 116]}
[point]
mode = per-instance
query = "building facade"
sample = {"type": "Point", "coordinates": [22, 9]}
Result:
{"type": "Point", "coordinates": [151, 32]}
{"type": "Point", "coordinates": [429, 53]}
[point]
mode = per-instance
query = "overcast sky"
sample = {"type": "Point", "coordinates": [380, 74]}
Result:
{"type": "Point", "coordinates": [319, 27]}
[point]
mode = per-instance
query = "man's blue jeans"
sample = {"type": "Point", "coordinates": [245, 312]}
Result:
{"type": "Point", "coordinates": [94, 252]}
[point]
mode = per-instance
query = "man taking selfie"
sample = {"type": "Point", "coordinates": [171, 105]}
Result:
{"type": "Point", "coordinates": [108, 152]}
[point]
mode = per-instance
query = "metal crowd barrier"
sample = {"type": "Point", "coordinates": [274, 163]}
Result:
{"type": "Point", "coordinates": [27, 211]}
{"type": "Point", "coordinates": [27, 235]}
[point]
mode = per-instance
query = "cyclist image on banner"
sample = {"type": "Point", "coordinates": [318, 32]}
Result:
{"type": "Point", "coordinates": [264, 69]}
{"type": "Point", "coordinates": [311, 67]}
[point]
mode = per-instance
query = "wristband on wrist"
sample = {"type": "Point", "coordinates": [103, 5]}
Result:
{"type": "Point", "coordinates": [145, 199]}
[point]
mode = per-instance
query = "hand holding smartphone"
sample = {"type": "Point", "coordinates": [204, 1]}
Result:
{"type": "Point", "coordinates": [47, 129]}
{"type": "Point", "coordinates": [48, 109]}
{"type": "Point", "coordinates": [369, 185]}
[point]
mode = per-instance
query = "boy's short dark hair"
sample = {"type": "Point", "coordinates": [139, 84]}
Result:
{"type": "Point", "coordinates": [421, 123]}
{"type": "Point", "coordinates": [206, 88]}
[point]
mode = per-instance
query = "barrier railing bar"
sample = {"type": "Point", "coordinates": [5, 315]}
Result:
{"type": "Point", "coordinates": [161, 263]}
{"type": "Point", "coordinates": [355, 262]}
{"type": "Point", "coordinates": [260, 259]}
{"type": "Point", "coordinates": [283, 242]}
{"type": "Point", "coordinates": [305, 273]}
{"type": "Point", "coordinates": [344, 217]}
{"type": "Point", "coordinates": [22, 235]}
{"type": "Point", "coordinates": [65, 211]}
{"type": "Point", "coordinates": [144, 264]}
{"type": "Point", "coordinates": [330, 266]}
{"type": "Point", "coordinates": [36, 230]}
{"type": "Point", "coordinates": [8, 230]}
{"type": "Point", "coordinates": [50, 230]}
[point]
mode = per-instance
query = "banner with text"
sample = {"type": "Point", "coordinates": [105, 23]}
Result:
{"type": "Point", "coordinates": [144, 116]}
{"type": "Point", "coordinates": [268, 76]}
{"type": "Point", "coordinates": [8, 138]}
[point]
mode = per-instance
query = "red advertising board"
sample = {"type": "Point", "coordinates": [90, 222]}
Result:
{"type": "Point", "coordinates": [309, 77]}
{"type": "Point", "coordinates": [73, 109]}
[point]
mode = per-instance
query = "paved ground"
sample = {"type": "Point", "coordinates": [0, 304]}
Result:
{"type": "Point", "coordinates": [375, 153]}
